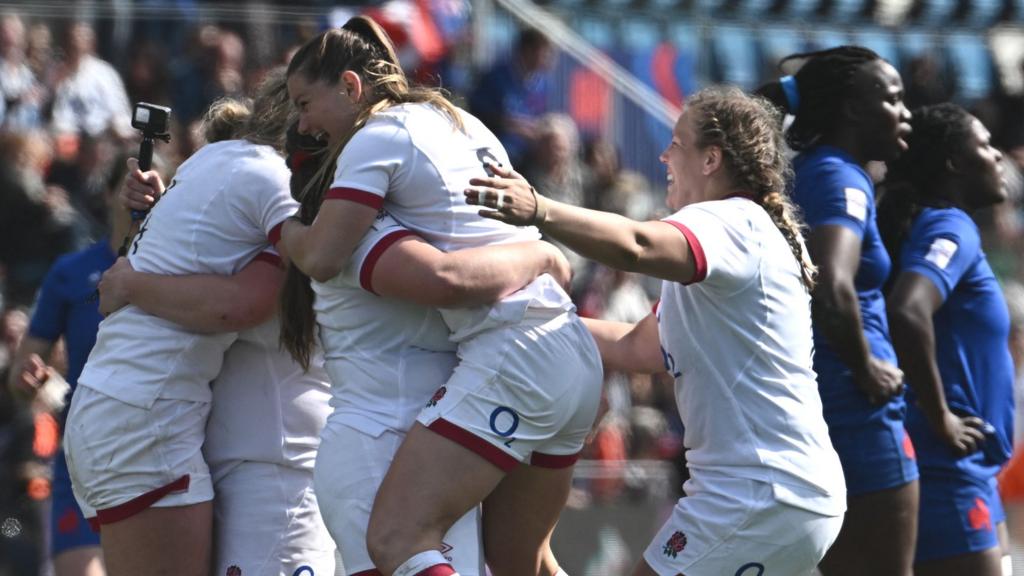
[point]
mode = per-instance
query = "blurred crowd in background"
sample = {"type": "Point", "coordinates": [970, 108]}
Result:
{"type": "Point", "coordinates": [67, 82]}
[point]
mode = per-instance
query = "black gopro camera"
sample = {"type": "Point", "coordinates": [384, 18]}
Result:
{"type": "Point", "coordinates": [150, 119]}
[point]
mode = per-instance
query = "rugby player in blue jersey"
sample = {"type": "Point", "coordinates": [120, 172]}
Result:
{"type": "Point", "coordinates": [950, 327]}
{"type": "Point", "coordinates": [847, 107]}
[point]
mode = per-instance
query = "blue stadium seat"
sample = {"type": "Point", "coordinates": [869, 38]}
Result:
{"type": "Point", "coordinates": [597, 31]}
{"type": "Point", "coordinates": [691, 66]}
{"type": "Point", "coordinates": [846, 11]}
{"type": "Point", "coordinates": [971, 63]}
{"type": "Point", "coordinates": [935, 12]}
{"type": "Point", "coordinates": [735, 56]}
{"type": "Point", "coordinates": [800, 9]}
{"type": "Point", "coordinates": [984, 13]}
{"type": "Point", "coordinates": [777, 42]}
{"type": "Point", "coordinates": [639, 34]}
{"type": "Point", "coordinates": [879, 40]}
{"type": "Point", "coordinates": [826, 37]}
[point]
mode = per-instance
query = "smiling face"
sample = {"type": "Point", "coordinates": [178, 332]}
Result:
{"type": "Point", "coordinates": [687, 168]}
{"type": "Point", "coordinates": [980, 165]}
{"type": "Point", "coordinates": [883, 119]}
{"type": "Point", "coordinates": [326, 111]}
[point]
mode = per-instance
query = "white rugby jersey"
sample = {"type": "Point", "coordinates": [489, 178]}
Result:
{"type": "Point", "coordinates": [737, 340]}
{"type": "Point", "coordinates": [413, 161]}
{"type": "Point", "coordinates": [265, 407]}
{"type": "Point", "coordinates": [217, 214]}
{"type": "Point", "coordinates": [385, 357]}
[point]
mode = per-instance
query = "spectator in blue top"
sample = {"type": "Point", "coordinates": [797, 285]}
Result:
{"type": "Point", "coordinates": [847, 104]}
{"type": "Point", "coordinates": [950, 326]}
{"type": "Point", "coordinates": [511, 97]}
{"type": "Point", "coordinates": [68, 308]}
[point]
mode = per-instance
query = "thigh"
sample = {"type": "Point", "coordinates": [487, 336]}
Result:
{"type": "Point", "coordinates": [431, 483]}
{"type": "Point", "coordinates": [519, 517]}
{"type": "Point", "coordinates": [884, 522]}
{"type": "Point", "coordinates": [171, 541]}
{"type": "Point", "coordinates": [268, 523]}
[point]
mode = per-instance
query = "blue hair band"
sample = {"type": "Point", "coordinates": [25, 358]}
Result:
{"type": "Point", "coordinates": [792, 93]}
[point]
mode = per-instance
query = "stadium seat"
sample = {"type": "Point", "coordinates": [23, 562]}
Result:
{"type": "Point", "coordinates": [879, 40]}
{"type": "Point", "coordinates": [971, 65]}
{"type": "Point", "coordinates": [827, 37]}
{"type": "Point", "coordinates": [983, 13]}
{"type": "Point", "coordinates": [735, 56]}
{"type": "Point", "coordinates": [777, 42]}
{"type": "Point", "coordinates": [934, 12]}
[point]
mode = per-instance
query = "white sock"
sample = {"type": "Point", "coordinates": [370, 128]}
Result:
{"type": "Point", "coordinates": [1007, 565]}
{"type": "Point", "coordinates": [421, 562]}
{"type": "Point", "coordinates": [561, 572]}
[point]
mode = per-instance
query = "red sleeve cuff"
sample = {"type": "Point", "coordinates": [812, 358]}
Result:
{"type": "Point", "coordinates": [358, 196]}
{"type": "Point", "coordinates": [366, 272]}
{"type": "Point", "coordinates": [275, 233]}
{"type": "Point", "coordinates": [269, 258]}
{"type": "Point", "coordinates": [700, 263]}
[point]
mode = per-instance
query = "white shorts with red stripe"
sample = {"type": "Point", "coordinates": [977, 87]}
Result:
{"type": "Point", "coordinates": [123, 459]}
{"type": "Point", "coordinates": [527, 393]}
{"type": "Point", "coordinates": [350, 466]}
{"type": "Point", "coordinates": [735, 526]}
{"type": "Point", "coordinates": [267, 523]}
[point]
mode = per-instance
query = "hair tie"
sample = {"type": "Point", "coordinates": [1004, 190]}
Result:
{"type": "Point", "coordinates": [792, 93]}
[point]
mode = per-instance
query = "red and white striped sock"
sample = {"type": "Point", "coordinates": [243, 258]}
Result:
{"type": "Point", "coordinates": [429, 563]}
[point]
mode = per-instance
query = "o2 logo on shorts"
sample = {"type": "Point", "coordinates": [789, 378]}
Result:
{"type": "Point", "coordinates": [751, 569]}
{"type": "Point", "coordinates": [303, 571]}
{"type": "Point", "coordinates": [504, 423]}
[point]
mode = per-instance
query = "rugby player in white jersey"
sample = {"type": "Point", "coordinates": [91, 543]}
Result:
{"type": "Point", "coordinates": [513, 417]}
{"type": "Point", "coordinates": [135, 431]}
{"type": "Point", "coordinates": [766, 494]}
{"type": "Point", "coordinates": [267, 412]}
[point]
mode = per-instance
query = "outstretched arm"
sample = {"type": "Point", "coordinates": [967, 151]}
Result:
{"type": "Point", "coordinates": [202, 303]}
{"type": "Point", "coordinates": [913, 301]}
{"type": "Point", "coordinates": [413, 270]}
{"type": "Point", "coordinates": [628, 347]}
{"type": "Point", "coordinates": [652, 248]}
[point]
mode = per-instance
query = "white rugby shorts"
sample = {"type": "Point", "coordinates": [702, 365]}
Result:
{"type": "Point", "coordinates": [267, 522]}
{"type": "Point", "coordinates": [349, 469]}
{"type": "Point", "coordinates": [527, 393]}
{"type": "Point", "coordinates": [123, 459]}
{"type": "Point", "coordinates": [728, 526]}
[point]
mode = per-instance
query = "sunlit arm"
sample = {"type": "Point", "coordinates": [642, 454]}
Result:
{"type": "Point", "coordinates": [413, 270]}
{"type": "Point", "coordinates": [322, 249]}
{"type": "Point", "coordinates": [206, 303]}
{"type": "Point", "coordinates": [628, 347]}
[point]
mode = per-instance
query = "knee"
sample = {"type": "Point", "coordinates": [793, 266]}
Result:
{"type": "Point", "coordinates": [383, 541]}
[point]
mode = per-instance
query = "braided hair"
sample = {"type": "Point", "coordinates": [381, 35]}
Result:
{"type": "Point", "coordinates": [939, 133]}
{"type": "Point", "coordinates": [746, 129]}
{"type": "Point", "coordinates": [822, 85]}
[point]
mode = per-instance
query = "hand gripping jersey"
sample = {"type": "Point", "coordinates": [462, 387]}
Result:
{"type": "Point", "coordinates": [220, 210]}
{"type": "Point", "coordinates": [972, 328]}
{"type": "Point", "coordinates": [411, 160]}
{"type": "Point", "coordinates": [385, 357]}
{"type": "Point", "coordinates": [737, 340]}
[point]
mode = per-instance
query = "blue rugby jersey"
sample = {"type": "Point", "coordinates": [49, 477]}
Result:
{"type": "Point", "coordinates": [66, 305]}
{"type": "Point", "coordinates": [831, 189]}
{"type": "Point", "coordinates": [971, 333]}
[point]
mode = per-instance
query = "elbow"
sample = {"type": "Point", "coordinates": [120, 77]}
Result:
{"type": "Point", "coordinates": [447, 291]}
{"type": "Point", "coordinates": [322, 270]}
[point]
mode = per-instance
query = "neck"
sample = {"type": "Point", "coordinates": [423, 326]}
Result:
{"type": "Point", "coordinates": [848, 144]}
